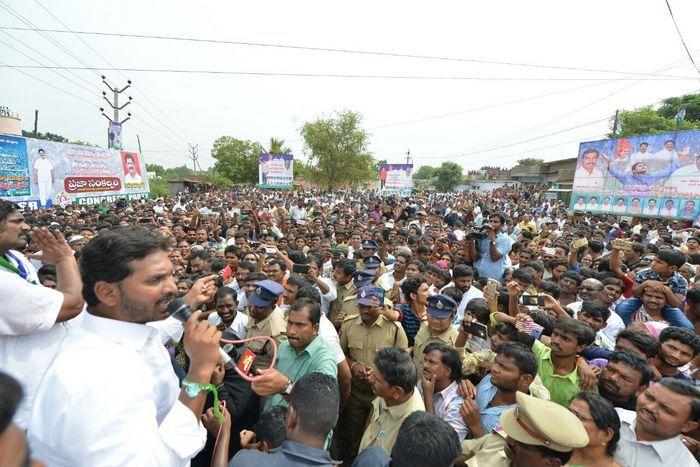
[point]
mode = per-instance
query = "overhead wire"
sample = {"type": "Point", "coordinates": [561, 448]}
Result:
{"type": "Point", "coordinates": [340, 50]}
{"type": "Point", "coordinates": [680, 35]}
{"type": "Point", "coordinates": [359, 76]}
{"type": "Point", "coordinates": [107, 61]}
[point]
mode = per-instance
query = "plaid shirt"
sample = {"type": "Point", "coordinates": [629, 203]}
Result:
{"type": "Point", "coordinates": [676, 282]}
{"type": "Point", "coordinates": [410, 322]}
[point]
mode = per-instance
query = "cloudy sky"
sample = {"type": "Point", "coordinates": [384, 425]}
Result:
{"type": "Point", "coordinates": [486, 108]}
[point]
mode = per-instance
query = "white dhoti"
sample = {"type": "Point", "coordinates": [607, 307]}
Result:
{"type": "Point", "coordinates": [44, 191]}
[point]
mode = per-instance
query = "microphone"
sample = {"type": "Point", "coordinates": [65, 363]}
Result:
{"type": "Point", "coordinates": [181, 311]}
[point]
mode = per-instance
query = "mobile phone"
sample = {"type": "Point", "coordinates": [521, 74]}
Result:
{"type": "Point", "coordinates": [579, 243]}
{"type": "Point", "coordinates": [533, 300]}
{"type": "Point", "coordinates": [622, 244]}
{"type": "Point", "coordinates": [385, 234]}
{"type": "Point", "coordinates": [270, 251]}
{"type": "Point", "coordinates": [492, 287]}
{"type": "Point", "coordinates": [476, 329]}
{"type": "Point", "coordinates": [529, 327]}
{"type": "Point", "coordinates": [300, 268]}
{"type": "Point", "coordinates": [549, 251]}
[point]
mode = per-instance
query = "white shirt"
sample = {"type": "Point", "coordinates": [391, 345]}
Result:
{"type": "Point", "coordinates": [238, 325]}
{"type": "Point", "coordinates": [665, 212]}
{"type": "Point", "coordinates": [326, 299]}
{"type": "Point", "coordinates": [618, 208]}
{"type": "Point", "coordinates": [43, 168]}
{"type": "Point", "coordinates": [110, 397]}
{"type": "Point", "coordinates": [29, 335]}
{"type": "Point", "coordinates": [473, 292]}
{"type": "Point", "coordinates": [586, 180]}
{"type": "Point", "coordinates": [136, 178]}
{"type": "Point", "coordinates": [605, 207]}
{"type": "Point", "coordinates": [651, 210]}
{"type": "Point", "coordinates": [668, 452]}
{"type": "Point", "coordinates": [327, 333]}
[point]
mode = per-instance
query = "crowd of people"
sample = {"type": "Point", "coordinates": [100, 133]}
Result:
{"type": "Point", "coordinates": [257, 327]}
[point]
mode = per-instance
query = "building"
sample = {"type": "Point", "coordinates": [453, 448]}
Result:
{"type": "Point", "coordinates": [10, 123]}
{"type": "Point", "coordinates": [558, 174]}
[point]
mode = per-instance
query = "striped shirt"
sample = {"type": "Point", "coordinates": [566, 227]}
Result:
{"type": "Point", "coordinates": [447, 403]}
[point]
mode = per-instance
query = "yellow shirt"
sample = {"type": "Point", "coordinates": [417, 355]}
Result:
{"type": "Point", "coordinates": [423, 338]}
{"type": "Point", "coordinates": [486, 451]}
{"type": "Point", "coordinates": [274, 325]}
{"type": "Point", "coordinates": [386, 421]}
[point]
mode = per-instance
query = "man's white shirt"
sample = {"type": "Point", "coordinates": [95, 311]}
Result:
{"type": "Point", "coordinates": [43, 168]}
{"type": "Point", "coordinates": [110, 397]}
{"type": "Point", "coordinates": [29, 335]}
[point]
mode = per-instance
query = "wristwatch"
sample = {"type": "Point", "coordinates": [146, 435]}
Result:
{"type": "Point", "coordinates": [288, 389]}
{"type": "Point", "coordinates": [193, 389]}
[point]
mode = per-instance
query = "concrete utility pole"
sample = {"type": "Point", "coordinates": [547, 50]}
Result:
{"type": "Point", "coordinates": [114, 103]}
{"type": "Point", "coordinates": [409, 159]}
{"type": "Point", "coordinates": [194, 156]}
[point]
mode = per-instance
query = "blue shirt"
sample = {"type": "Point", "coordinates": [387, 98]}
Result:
{"type": "Point", "coordinates": [645, 179]}
{"type": "Point", "coordinates": [489, 415]}
{"type": "Point", "coordinates": [487, 267]}
{"type": "Point", "coordinates": [676, 282]}
{"type": "Point", "coordinates": [289, 453]}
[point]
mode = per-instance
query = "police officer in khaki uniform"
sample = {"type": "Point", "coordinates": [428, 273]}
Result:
{"type": "Point", "coordinates": [438, 328]}
{"type": "Point", "coordinates": [265, 321]}
{"type": "Point", "coordinates": [536, 432]}
{"type": "Point", "coordinates": [343, 274]}
{"type": "Point", "coordinates": [361, 337]}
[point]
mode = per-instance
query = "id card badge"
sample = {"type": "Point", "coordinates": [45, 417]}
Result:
{"type": "Point", "coordinates": [246, 362]}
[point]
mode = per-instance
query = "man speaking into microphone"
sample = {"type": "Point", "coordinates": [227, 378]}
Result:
{"type": "Point", "coordinates": [110, 397]}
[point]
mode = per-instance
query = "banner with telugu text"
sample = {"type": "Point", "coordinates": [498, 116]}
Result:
{"type": "Point", "coordinates": [39, 173]}
{"type": "Point", "coordinates": [276, 171]}
{"type": "Point", "coordinates": [395, 179]}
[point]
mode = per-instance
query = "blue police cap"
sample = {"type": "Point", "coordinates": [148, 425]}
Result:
{"type": "Point", "coordinates": [265, 293]}
{"type": "Point", "coordinates": [441, 306]}
{"type": "Point", "coordinates": [367, 293]}
{"type": "Point", "coordinates": [362, 278]}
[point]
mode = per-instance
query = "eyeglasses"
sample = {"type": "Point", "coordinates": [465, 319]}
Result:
{"type": "Point", "coordinates": [581, 417]}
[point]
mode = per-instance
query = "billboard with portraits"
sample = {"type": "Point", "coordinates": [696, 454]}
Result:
{"type": "Point", "coordinates": [651, 176]}
{"type": "Point", "coordinates": [38, 173]}
{"type": "Point", "coordinates": [395, 179]}
{"type": "Point", "coordinates": [276, 171]}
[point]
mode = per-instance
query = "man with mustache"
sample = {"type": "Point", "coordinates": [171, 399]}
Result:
{"type": "Point", "coordinates": [652, 436]}
{"type": "Point", "coordinates": [115, 368]}
{"type": "Point", "coordinates": [678, 346]}
{"type": "Point", "coordinates": [303, 352]}
{"type": "Point", "coordinates": [623, 378]}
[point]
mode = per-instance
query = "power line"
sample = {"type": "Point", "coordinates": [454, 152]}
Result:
{"type": "Point", "coordinates": [361, 76]}
{"type": "Point", "coordinates": [670, 11]}
{"type": "Point", "coordinates": [334, 50]}
{"type": "Point", "coordinates": [134, 86]}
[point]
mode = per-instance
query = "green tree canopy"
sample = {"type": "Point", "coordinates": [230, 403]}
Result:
{"type": "Point", "coordinates": [425, 172]}
{"type": "Point", "coordinates": [236, 160]}
{"type": "Point", "coordinates": [276, 146]}
{"type": "Point", "coordinates": [158, 169]}
{"type": "Point", "coordinates": [338, 149]}
{"type": "Point", "coordinates": [528, 161]}
{"type": "Point", "coordinates": [447, 176]}
{"type": "Point", "coordinates": [672, 105]}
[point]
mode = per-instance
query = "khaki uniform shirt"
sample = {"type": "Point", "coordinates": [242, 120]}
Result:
{"type": "Point", "coordinates": [361, 342]}
{"type": "Point", "coordinates": [486, 451]}
{"type": "Point", "coordinates": [344, 291]}
{"type": "Point", "coordinates": [386, 421]}
{"type": "Point", "coordinates": [274, 325]}
{"type": "Point", "coordinates": [423, 338]}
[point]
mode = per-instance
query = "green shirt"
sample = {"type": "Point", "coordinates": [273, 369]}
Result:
{"type": "Point", "coordinates": [316, 357]}
{"type": "Point", "coordinates": [561, 388]}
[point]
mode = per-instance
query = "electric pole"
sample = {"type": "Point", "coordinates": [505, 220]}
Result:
{"type": "Point", "coordinates": [114, 103]}
{"type": "Point", "coordinates": [194, 156]}
{"type": "Point", "coordinates": [409, 159]}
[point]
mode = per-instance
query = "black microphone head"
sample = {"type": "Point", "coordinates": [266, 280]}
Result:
{"type": "Point", "coordinates": [179, 309]}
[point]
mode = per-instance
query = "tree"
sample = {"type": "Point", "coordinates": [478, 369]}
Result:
{"type": "Point", "coordinates": [447, 176]}
{"type": "Point", "coordinates": [424, 172]}
{"type": "Point", "coordinates": [47, 136]}
{"type": "Point", "coordinates": [338, 149]}
{"type": "Point", "coordinates": [236, 160]}
{"type": "Point", "coordinates": [672, 105]}
{"type": "Point", "coordinates": [529, 161]}
{"type": "Point", "coordinates": [277, 147]}
{"type": "Point", "coordinates": [158, 169]}
{"type": "Point", "coordinates": [80, 142]}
